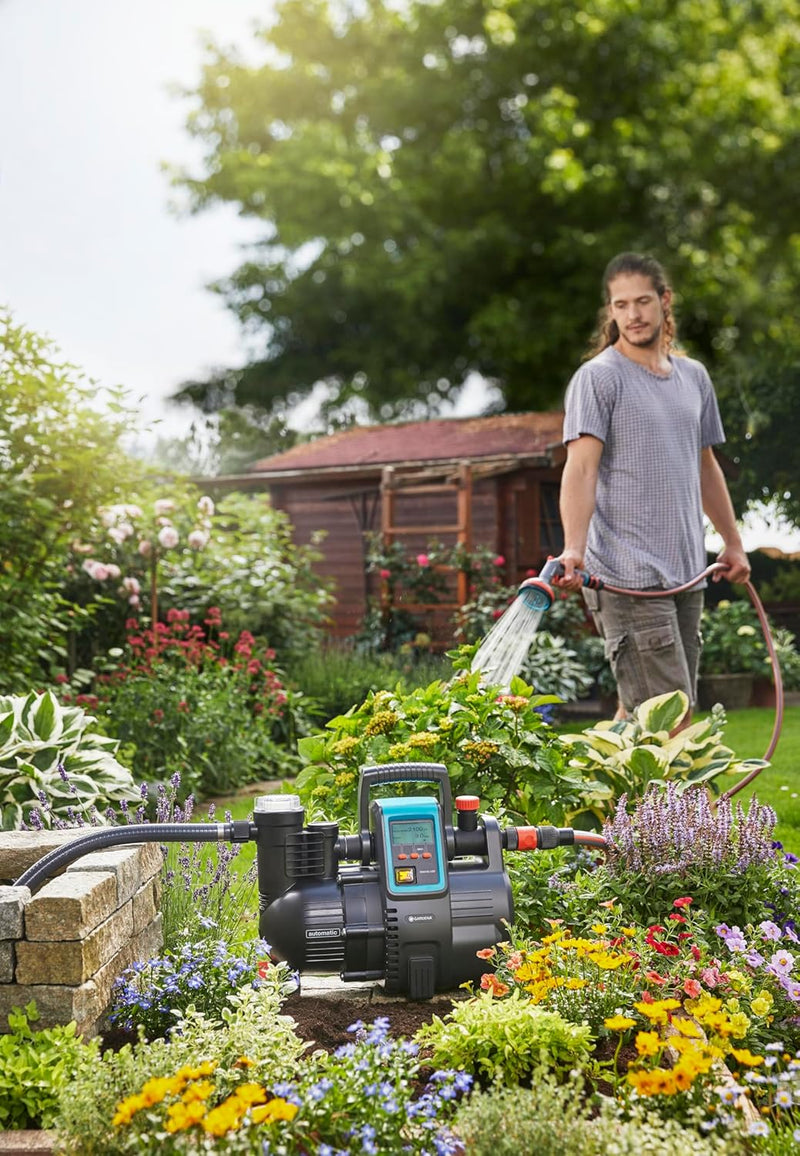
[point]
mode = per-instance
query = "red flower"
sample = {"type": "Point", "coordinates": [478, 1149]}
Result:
{"type": "Point", "coordinates": [61, 679]}
{"type": "Point", "coordinates": [684, 901]}
{"type": "Point", "coordinates": [655, 978]}
{"type": "Point", "coordinates": [677, 918]}
{"type": "Point", "coordinates": [666, 948]}
{"type": "Point", "coordinates": [499, 560]}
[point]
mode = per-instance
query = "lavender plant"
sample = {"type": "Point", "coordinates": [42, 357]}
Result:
{"type": "Point", "coordinates": [675, 842]}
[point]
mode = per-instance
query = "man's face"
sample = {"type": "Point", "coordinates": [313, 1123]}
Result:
{"type": "Point", "coordinates": [637, 309]}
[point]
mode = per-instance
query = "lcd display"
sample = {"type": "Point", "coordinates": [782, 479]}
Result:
{"type": "Point", "coordinates": [413, 831]}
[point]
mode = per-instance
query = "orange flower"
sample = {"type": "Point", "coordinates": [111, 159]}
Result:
{"type": "Point", "coordinates": [492, 984]}
{"type": "Point", "coordinates": [485, 953]}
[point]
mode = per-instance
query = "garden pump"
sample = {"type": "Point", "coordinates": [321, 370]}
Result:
{"type": "Point", "coordinates": [409, 900]}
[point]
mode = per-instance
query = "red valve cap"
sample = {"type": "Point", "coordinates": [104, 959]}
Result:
{"type": "Point", "coordinates": [467, 802]}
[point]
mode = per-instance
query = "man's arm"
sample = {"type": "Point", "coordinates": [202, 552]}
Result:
{"type": "Point", "coordinates": [578, 489]}
{"type": "Point", "coordinates": [719, 508]}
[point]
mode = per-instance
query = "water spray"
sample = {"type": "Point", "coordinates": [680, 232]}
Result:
{"type": "Point", "coordinates": [502, 653]}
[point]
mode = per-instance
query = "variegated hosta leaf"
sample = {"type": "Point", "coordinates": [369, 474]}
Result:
{"type": "Point", "coordinates": [663, 712]}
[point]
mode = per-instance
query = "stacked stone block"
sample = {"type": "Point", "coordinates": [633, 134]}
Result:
{"type": "Point", "coordinates": [64, 946]}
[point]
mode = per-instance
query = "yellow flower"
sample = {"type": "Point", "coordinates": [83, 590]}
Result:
{"type": "Point", "coordinates": [608, 960]}
{"type": "Point", "coordinates": [760, 1007]}
{"type": "Point", "coordinates": [200, 1090]}
{"type": "Point", "coordinates": [628, 931]}
{"type": "Point", "coordinates": [276, 1109]}
{"type": "Point", "coordinates": [250, 1094]}
{"type": "Point", "coordinates": [619, 1023]}
{"type": "Point", "coordinates": [599, 928]}
{"type": "Point", "coordinates": [739, 1025]}
{"type": "Point", "coordinates": [181, 1116]}
{"type": "Point", "coordinates": [687, 1027]}
{"type": "Point", "coordinates": [647, 1043]}
{"type": "Point", "coordinates": [574, 984]}
{"type": "Point", "coordinates": [746, 1057]}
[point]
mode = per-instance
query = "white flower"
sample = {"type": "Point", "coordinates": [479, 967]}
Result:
{"type": "Point", "coordinates": [134, 600]}
{"type": "Point", "coordinates": [113, 570]}
{"type": "Point", "coordinates": [197, 539]}
{"type": "Point", "coordinates": [164, 506]}
{"type": "Point", "coordinates": [145, 548]}
{"type": "Point", "coordinates": [131, 585]}
{"type": "Point", "coordinates": [132, 511]}
{"type": "Point", "coordinates": [168, 537]}
{"type": "Point", "coordinates": [206, 506]}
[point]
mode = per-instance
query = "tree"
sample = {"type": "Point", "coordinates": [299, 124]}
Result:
{"type": "Point", "coordinates": [442, 184]}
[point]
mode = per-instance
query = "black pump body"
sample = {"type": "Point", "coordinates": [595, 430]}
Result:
{"type": "Point", "coordinates": [421, 898]}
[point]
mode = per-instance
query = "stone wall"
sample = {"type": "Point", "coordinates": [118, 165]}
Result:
{"type": "Point", "coordinates": [64, 946]}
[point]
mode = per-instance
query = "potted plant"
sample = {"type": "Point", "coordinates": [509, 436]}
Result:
{"type": "Point", "coordinates": [733, 653]}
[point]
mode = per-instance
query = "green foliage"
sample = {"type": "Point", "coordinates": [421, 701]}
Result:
{"type": "Point", "coordinates": [251, 1027]}
{"type": "Point", "coordinates": [60, 457]}
{"type": "Point", "coordinates": [552, 667]}
{"type": "Point", "coordinates": [624, 757]}
{"type": "Point", "coordinates": [440, 186]}
{"type": "Point", "coordinates": [337, 675]}
{"type": "Point", "coordinates": [506, 1039]}
{"type": "Point", "coordinates": [217, 722]}
{"type": "Point", "coordinates": [41, 741]}
{"type": "Point", "coordinates": [36, 1066]}
{"type": "Point", "coordinates": [732, 640]}
{"type": "Point", "coordinates": [549, 1118]}
{"type": "Point", "coordinates": [494, 745]}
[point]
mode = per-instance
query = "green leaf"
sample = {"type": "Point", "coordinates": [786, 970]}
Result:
{"type": "Point", "coordinates": [663, 712]}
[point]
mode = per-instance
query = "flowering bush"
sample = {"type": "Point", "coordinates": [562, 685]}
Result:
{"type": "Point", "coordinates": [732, 640]}
{"type": "Point", "coordinates": [193, 701]}
{"type": "Point", "coordinates": [671, 843]}
{"type": "Point", "coordinates": [493, 744]}
{"type": "Point", "coordinates": [202, 974]}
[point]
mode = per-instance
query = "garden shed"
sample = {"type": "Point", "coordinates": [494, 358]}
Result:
{"type": "Point", "coordinates": [484, 482]}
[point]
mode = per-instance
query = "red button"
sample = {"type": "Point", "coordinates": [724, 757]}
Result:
{"type": "Point", "coordinates": [426, 855]}
{"type": "Point", "coordinates": [414, 855]}
{"type": "Point", "coordinates": [401, 856]}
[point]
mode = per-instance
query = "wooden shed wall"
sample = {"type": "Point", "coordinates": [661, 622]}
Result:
{"type": "Point", "coordinates": [504, 519]}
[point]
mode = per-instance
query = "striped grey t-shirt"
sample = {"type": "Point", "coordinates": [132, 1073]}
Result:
{"type": "Point", "coordinates": [647, 527]}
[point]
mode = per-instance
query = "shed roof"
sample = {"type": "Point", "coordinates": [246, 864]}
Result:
{"type": "Point", "coordinates": [507, 435]}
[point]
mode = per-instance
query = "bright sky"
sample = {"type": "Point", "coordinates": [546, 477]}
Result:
{"type": "Point", "coordinates": [89, 251]}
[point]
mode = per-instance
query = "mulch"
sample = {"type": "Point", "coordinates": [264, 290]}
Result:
{"type": "Point", "coordinates": [323, 1021]}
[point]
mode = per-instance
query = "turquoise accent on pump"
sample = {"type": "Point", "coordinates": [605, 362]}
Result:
{"type": "Point", "coordinates": [412, 830]}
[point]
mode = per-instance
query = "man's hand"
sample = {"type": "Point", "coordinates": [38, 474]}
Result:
{"type": "Point", "coordinates": [738, 565]}
{"type": "Point", "coordinates": [571, 560]}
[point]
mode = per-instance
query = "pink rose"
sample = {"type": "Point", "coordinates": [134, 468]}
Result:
{"type": "Point", "coordinates": [145, 548]}
{"type": "Point", "coordinates": [499, 560]}
{"type": "Point", "coordinates": [386, 574]}
{"type": "Point", "coordinates": [423, 560]}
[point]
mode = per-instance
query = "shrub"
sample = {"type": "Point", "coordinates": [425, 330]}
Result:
{"type": "Point", "coordinates": [36, 1066]}
{"type": "Point", "coordinates": [624, 757]}
{"type": "Point", "coordinates": [552, 667]}
{"type": "Point", "coordinates": [217, 722]}
{"type": "Point", "coordinates": [493, 744]}
{"type": "Point", "coordinates": [732, 641]}
{"type": "Point", "coordinates": [549, 1119]}
{"type": "Point", "coordinates": [504, 1039]}
{"type": "Point", "coordinates": [52, 762]}
{"type": "Point", "coordinates": [250, 1040]}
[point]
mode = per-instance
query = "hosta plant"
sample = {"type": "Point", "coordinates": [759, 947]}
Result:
{"type": "Point", "coordinates": [50, 755]}
{"type": "Point", "coordinates": [624, 757]}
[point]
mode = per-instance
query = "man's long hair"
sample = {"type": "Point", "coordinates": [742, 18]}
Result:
{"type": "Point", "coordinates": [607, 331]}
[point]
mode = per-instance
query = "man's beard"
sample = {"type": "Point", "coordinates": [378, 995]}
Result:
{"type": "Point", "coordinates": [651, 342]}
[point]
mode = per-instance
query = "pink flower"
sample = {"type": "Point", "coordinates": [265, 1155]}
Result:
{"type": "Point", "coordinates": [96, 570]}
{"type": "Point", "coordinates": [423, 560]}
{"type": "Point", "coordinates": [168, 537]}
{"type": "Point", "coordinates": [131, 585]}
{"type": "Point", "coordinates": [386, 574]}
{"type": "Point", "coordinates": [206, 506]}
{"type": "Point", "coordinates": [499, 561]}
{"type": "Point", "coordinates": [692, 988]}
{"type": "Point", "coordinates": [164, 506]}
{"type": "Point", "coordinates": [113, 570]}
{"type": "Point", "coordinates": [711, 977]}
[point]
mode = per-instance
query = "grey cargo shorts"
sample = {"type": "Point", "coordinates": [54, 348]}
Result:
{"type": "Point", "coordinates": [652, 644]}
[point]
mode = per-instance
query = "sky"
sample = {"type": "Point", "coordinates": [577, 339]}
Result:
{"type": "Point", "coordinates": [91, 252]}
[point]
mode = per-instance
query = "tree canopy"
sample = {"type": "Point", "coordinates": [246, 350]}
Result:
{"type": "Point", "coordinates": [442, 184]}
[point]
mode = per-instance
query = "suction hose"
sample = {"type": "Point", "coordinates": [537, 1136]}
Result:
{"type": "Point", "coordinates": [540, 591]}
{"type": "Point", "coordinates": [239, 831]}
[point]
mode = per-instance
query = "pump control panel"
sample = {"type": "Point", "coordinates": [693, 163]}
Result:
{"type": "Point", "coordinates": [410, 846]}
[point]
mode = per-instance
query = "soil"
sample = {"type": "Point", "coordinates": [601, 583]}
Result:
{"type": "Point", "coordinates": [323, 1021]}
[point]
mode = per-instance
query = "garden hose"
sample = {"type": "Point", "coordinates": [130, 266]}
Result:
{"type": "Point", "coordinates": [554, 567]}
{"type": "Point", "coordinates": [237, 831]}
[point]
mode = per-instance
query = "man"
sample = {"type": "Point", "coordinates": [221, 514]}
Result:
{"type": "Point", "coordinates": [639, 425]}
